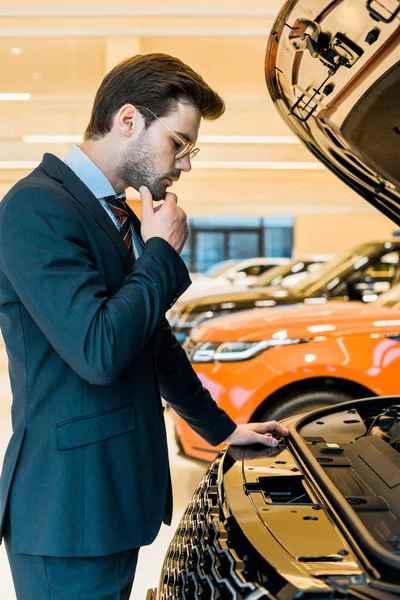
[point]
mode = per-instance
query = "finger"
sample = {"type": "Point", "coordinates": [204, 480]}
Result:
{"type": "Point", "coordinates": [271, 426]}
{"type": "Point", "coordinates": [267, 440]}
{"type": "Point", "coordinates": [266, 426]}
{"type": "Point", "coordinates": [147, 202]}
{"type": "Point", "coordinates": [282, 430]}
{"type": "Point", "coordinates": [171, 197]}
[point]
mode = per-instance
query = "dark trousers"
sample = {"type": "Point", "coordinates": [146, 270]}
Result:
{"type": "Point", "coordinates": [48, 578]}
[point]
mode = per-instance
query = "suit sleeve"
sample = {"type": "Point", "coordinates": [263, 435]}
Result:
{"type": "Point", "coordinates": [183, 390]}
{"type": "Point", "coordinates": [46, 257]}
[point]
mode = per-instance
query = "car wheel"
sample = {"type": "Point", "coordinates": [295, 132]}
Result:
{"type": "Point", "coordinates": [302, 403]}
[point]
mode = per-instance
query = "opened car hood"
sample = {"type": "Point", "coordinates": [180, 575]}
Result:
{"type": "Point", "coordinates": [333, 72]}
{"type": "Point", "coordinates": [315, 517]}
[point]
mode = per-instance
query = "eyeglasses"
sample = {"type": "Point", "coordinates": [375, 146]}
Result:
{"type": "Point", "coordinates": [186, 147]}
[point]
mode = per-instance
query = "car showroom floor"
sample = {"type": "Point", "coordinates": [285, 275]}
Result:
{"type": "Point", "coordinates": [185, 475]}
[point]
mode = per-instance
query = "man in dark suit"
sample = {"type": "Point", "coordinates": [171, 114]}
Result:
{"type": "Point", "coordinates": [84, 287]}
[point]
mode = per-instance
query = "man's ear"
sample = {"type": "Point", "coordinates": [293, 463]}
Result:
{"type": "Point", "coordinates": [127, 119]}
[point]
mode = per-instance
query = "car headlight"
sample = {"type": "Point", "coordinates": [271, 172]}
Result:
{"type": "Point", "coordinates": [238, 351]}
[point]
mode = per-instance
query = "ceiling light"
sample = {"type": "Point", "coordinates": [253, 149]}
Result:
{"type": "Point", "coordinates": [18, 164]}
{"type": "Point", "coordinates": [139, 11]}
{"type": "Point", "coordinates": [14, 97]}
{"type": "Point", "coordinates": [52, 139]}
{"type": "Point", "coordinates": [199, 164]}
{"type": "Point", "coordinates": [203, 139]}
{"type": "Point", "coordinates": [16, 51]}
{"type": "Point", "coordinates": [36, 76]}
{"type": "Point", "coordinates": [238, 164]}
{"type": "Point", "coordinates": [248, 139]}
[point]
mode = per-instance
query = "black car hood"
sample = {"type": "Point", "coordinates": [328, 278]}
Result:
{"type": "Point", "coordinates": [277, 295]}
{"type": "Point", "coordinates": [333, 72]}
{"type": "Point", "coordinates": [317, 516]}
{"type": "Point", "coordinates": [356, 473]}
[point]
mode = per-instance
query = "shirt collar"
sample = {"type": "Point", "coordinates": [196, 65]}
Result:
{"type": "Point", "coordinates": [91, 175]}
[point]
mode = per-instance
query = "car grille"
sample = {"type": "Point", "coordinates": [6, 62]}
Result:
{"type": "Point", "coordinates": [201, 563]}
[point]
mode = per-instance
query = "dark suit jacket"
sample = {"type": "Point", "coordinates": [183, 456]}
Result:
{"type": "Point", "coordinates": [86, 472]}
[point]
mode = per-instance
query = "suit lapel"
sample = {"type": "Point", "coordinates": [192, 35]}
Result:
{"type": "Point", "coordinates": [59, 171]}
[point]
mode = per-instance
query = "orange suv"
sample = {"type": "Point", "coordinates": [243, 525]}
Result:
{"type": "Point", "coordinates": [271, 363]}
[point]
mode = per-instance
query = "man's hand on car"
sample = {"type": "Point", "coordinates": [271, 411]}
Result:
{"type": "Point", "coordinates": [257, 433]}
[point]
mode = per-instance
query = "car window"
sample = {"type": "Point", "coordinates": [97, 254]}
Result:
{"type": "Point", "coordinates": [255, 270]}
{"type": "Point", "coordinates": [274, 276]}
{"type": "Point", "coordinates": [293, 279]}
{"type": "Point", "coordinates": [283, 274]}
{"type": "Point", "coordinates": [335, 272]}
{"type": "Point", "coordinates": [380, 272]}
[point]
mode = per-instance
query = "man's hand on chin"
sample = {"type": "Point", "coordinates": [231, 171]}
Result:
{"type": "Point", "coordinates": [256, 433]}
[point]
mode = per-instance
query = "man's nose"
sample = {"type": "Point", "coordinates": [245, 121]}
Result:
{"type": "Point", "coordinates": [184, 164]}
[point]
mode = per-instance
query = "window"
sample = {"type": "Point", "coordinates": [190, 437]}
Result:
{"type": "Point", "coordinates": [215, 239]}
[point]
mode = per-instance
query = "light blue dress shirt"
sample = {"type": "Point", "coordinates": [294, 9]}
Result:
{"type": "Point", "coordinates": [98, 184]}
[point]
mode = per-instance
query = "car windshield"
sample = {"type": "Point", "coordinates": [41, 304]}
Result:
{"type": "Point", "coordinates": [219, 268]}
{"type": "Point", "coordinates": [285, 275]}
{"type": "Point", "coordinates": [356, 259]}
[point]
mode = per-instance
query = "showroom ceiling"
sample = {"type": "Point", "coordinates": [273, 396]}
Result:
{"type": "Point", "coordinates": [58, 54]}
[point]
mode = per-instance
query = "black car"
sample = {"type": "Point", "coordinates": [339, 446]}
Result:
{"type": "Point", "coordinates": [316, 517]}
{"type": "Point", "coordinates": [361, 274]}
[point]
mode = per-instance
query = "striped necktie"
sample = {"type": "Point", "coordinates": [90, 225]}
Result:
{"type": "Point", "coordinates": [118, 208]}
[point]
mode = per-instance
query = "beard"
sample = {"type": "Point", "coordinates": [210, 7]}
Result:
{"type": "Point", "coordinates": [138, 167]}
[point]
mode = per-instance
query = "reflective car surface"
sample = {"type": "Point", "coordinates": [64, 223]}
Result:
{"type": "Point", "coordinates": [361, 274]}
{"type": "Point", "coordinates": [267, 364]}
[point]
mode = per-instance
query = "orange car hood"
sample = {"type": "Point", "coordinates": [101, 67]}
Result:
{"type": "Point", "coordinates": [335, 318]}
